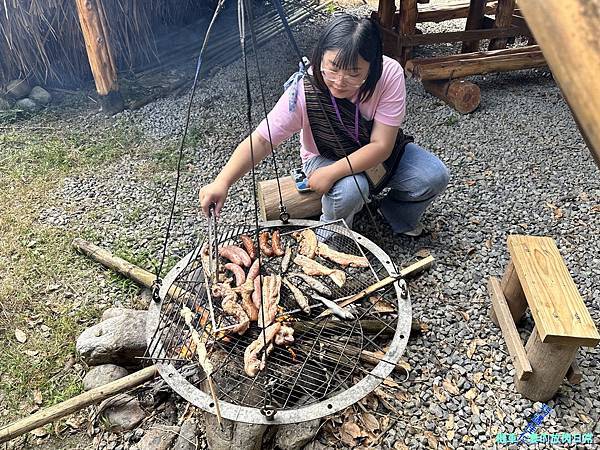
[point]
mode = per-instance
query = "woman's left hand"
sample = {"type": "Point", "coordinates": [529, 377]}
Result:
{"type": "Point", "coordinates": [321, 180]}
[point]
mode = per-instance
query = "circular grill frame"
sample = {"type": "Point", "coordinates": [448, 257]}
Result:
{"type": "Point", "coordinates": [323, 408]}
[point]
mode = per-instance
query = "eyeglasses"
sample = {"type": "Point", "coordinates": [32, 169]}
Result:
{"type": "Point", "coordinates": [350, 80]}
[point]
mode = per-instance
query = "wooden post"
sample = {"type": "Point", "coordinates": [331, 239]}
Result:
{"type": "Point", "coordinates": [504, 14]}
{"type": "Point", "coordinates": [462, 95]}
{"type": "Point", "coordinates": [407, 27]}
{"type": "Point", "coordinates": [95, 33]}
{"type": "Point", "coordinates": [474, 22]}
{"type": "Point", "coordinates": [550, 363]}
{"type": "Point", "coordinates": [563, 29]}
{"type": "Point", "coordinates": [386, 11]}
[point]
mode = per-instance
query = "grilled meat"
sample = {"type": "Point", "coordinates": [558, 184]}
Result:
{"type": "Point", "coordinates": [285, 335]}
{"type": "Point", "coordinates": [238, 272]}
{"type": "Point", "coordinates": [307, 242]}
{"type": "Point", "coordinates": [263, 242]}
{"type": "Point", "coordinates": [271, 288]}
{"type": "Point", "coordinates": [236, 255]}
{"type": "Point", "coordinates": [312, 267]}
{"type": "Point", "coordinates": [276, 243]}
{"type": "Point", "coordinates": [232, 308]}
{"type": "Point", "coordinates": [343, 259]}
{"type": "Point", "coordinates": [313, 283]}
{"type": "Point", "coordinates": [252, 364]}
{"type": "Point", "coordinates": [298, 296]}
{"type": "Point", "coordinates": [287, 257]}
{"type": "Point", "coordinates": [248, 246]}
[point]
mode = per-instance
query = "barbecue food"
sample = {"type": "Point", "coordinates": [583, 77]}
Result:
{"type": "Point", "coordinates": [271, 289]}
{"type": "Point", "coordinates": [238, 272]}
{"type": "Point", "coordinates": [256, 295]}
{"type": "Point", "coordinates": [343, 259]}
{"type": "Point", "coordinates": [298, 296]}
{"type": "Point", "coordinates": [313, 283]}
{"type": "Point", "coordinates": [276, 243]}
{"type": "Point", "coordinates": [246, 290]}
{"type": "Point", "coordinates": [285, 262]}
{"type": "Point", "coordinates": [252, 365]}
{"type": "Point", "coordinates": [232, 308]}
{"type": "Point", "coordinates": [285, 335]}
{"type": "Point", "coordinates": [307, 242]}
{"type": "Point", "coordinates": [311, 267]}
{"type": "Point", "coordinates": [248, 245]}
{"type": "Point", "coordinates": [254, 269]}
{"type": "Point", "coordinates": [236, 255]}
{"type": "Point", "coordinates": [263, 242]}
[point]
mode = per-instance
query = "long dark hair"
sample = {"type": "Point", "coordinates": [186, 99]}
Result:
{"type": "Point", "coordinates": [354, 37]}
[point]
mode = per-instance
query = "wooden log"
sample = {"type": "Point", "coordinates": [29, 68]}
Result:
{"type": "Point", "coordinates": [550, 363]}
{"type": "Point", "coordinates": [385, 16]}
{"type": "Point", "coordinates": [74, 404]}
{"type": "Point", "coordinates": [446, 70]}
{"type": "Point", "coordinates": [474, 55]}
{"type": "Point", "coordinates": [97, 43]}
{"type": "Point", "coordinates": [474, 22]}
{"type": "Point", "coordinates": [564, 29]}
{"type": "Point", "coordinates": [462, 95]}
{"type": "Point", "coordinates": [523, 368]}
{"type": "Point", "coordinates": [504, 13]}
{"type": "Point", "coordinates": [300, 205]}
{"type": "Point", "coordinates": [406, 27]}
{"type": "Point", "coordinates": [441, 13]}
{"type": "Point", "coordinates": [456, 36]}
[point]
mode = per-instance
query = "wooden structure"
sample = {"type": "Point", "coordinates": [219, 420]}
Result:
{"type": "Point", "coordinates": [300, 205]}
{"type": "Point", "coordinates": [537, 277]}
{"type": "Point", "coordinates": [97, 44]}
{"type": "Point", "coordinates": [565, 31]}
{"type": "Point", "coordinates": [400, 35]}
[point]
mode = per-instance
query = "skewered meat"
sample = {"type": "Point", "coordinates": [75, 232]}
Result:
{"type": "Point", "coordinates": [307, 242]}
{"type": "Point", "coordinates": [313, 283]}
{"type": "Point", "coordinates": [343, 259]}
{"type": "Point", "coordinates": [312, 267]}
{"type": "Point", "coordinates": [232, 308]}
{"type": "Point", "coordinates": [271, 288]}
{"type": "Point", "coordinates": [252, 365]}
{"type": "Point", "coordinates": [276, 243]}
{"type": "Point", "coordinates": [285, 335]}
{"type": "Point", "coordinates": [248, 245]}
{"type": "Point", "coordinates": [287, 257]}
{"type": "Point", "coordinates": [298, 296]}
{"type": "Point", "coordinates": [236, 255]}
{"type": "Point", "coordinates": [263, 242]}
{"type": "Point", "coordinates": [238, 272]}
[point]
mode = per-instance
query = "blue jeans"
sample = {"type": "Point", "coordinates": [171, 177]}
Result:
{"type": "Point", "coordinates": [418, 180]}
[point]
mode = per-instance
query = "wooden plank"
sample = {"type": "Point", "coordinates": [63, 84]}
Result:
{"type": "Point", "coordinates": [463, 68]}
{"type": "Point", "coordinates": [456, 36]}
{"type": "Point", "coordinates": [474, 55]}
{"type": "Point", "coordinates": [567, 33]}
{"type": "Point", "coordinates": [504, 14]}
{"type": "Point", "coordinates": [300, 205]}
{"type": "Point", "coordinates": [77, 403]}
{"type": "Point", "coordinates": [557, 308]}
{"type": "Point", "coordinates": [509, 330]}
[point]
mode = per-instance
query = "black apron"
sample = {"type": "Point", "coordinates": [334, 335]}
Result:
{"type": "Point", "coordinates": [327, 144]}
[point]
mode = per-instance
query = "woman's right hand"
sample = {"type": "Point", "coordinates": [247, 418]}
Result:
{"type": "Point", "coordinates": [215, 192]}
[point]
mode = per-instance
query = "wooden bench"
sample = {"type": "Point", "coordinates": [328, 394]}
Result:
{"type": "Point", "coordinates": [536, 277]}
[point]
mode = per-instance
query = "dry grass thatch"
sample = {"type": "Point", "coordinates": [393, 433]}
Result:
{"type": "Point", "coordinates": [42, 40]}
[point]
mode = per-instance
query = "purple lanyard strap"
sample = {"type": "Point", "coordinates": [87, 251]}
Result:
{"type": "Point", "coordinates": [354, 135]}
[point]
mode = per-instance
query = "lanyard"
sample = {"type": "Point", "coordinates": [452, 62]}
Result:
{"type": "Point", "coordinates": [354, 135]}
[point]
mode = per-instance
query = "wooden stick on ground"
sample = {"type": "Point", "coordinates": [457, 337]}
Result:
{"type": "Point", "coordinates": [67, 407]}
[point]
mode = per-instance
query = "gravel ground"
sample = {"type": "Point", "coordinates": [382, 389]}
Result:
{"type": "Point", "coordinates": [518, 165]}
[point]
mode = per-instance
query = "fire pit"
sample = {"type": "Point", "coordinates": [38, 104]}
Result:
{"type": "Point", "coordinates": [329, 364]}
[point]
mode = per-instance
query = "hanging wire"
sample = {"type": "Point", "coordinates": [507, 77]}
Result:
{"type": "Point", "coordinates": [157, 282]}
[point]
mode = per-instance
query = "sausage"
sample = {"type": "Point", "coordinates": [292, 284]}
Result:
{"type": "Point", "coordinates": [276, 243]}
{"type": "Point", "coordinates": [236, 255]}
{"type": "Point", "coordinates": [263, 241]}
{"type": "Point", "coordinates": [254, 270]}
{"type": "Point", "coordinates": [246, 261]}
{"type": "Point", "coordinates": [249, 245]}
{"type": "Point", "coordinates": [240, 276]}
{"type": "Point", "coordinates": [256, 295]}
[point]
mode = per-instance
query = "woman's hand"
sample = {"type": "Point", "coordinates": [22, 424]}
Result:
{"type": "Point", "coordinates": [215, 192]}
{"type": "Point", "coordinates": [321, 180]}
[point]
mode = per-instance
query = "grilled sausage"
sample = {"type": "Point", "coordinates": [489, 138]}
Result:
{"type": "Point", "coordinates": [238, 272]}
{"type": "Point", "coordinates": [249, 246]}
{"type": "Point", "coordinates": [263, 241]}
{"type": "Point", "coordinates": [276, 243]}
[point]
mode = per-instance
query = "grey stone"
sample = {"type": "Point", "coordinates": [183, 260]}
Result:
{"type": "Point", "coordinates": [188, 435]}
{"type": "Point", "coordinates": [297, 435]}
{"type": "Point", "coordinates": [4, 104]}
{"type": "Point", "coordinates": [158, 438]}
{"type": "Point", "coordinates": [117, 340]}
{"type": "Point", "coordinates": [118, 312]}
{"type": "Point", "coordinates": [121, 413]}
{"type": "Point", "coordinates": [26, 104]}
{"type": "Point", "coordinates": [100, 375]}
{"type": "Point", "coordinates": [40, 95]}
{"type": "Point", "coordinates": [234, 435]}
{"type": "Point", "coordinates": [18, 89]}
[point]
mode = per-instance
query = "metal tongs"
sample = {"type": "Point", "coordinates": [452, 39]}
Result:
{"type": "Point", "coordinates": [213, 244]}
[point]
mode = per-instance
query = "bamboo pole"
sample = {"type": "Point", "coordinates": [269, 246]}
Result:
{"type": "Point", "coordinates": [97, 44]}
{"type": "Point", "coordinates": [74, 404]}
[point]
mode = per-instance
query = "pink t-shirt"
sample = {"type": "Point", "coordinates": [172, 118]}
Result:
{"type": "Point", "coordinates": [387, 105]}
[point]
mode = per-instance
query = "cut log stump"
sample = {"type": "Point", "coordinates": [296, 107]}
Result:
{"type": "Point", "coordinates": [462, 95]}
{"type": "Point", "coordinates": [300, 205]}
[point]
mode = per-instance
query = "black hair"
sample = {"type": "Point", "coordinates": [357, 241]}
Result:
{"type": "Point", "coordinates": [354, 37]}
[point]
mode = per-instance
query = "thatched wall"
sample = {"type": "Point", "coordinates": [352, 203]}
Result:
{"type": "Point", "coordinates": [42, 40]}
